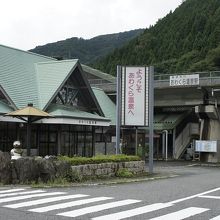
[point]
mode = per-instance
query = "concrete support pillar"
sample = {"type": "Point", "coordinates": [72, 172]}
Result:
{"type": "Point", "coordinates": [213, 134]}
{"type": "Point", "coordinates": [214, 130]}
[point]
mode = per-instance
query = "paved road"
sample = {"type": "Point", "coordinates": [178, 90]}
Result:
{"type": "Point", "coordinates": [193, 194]}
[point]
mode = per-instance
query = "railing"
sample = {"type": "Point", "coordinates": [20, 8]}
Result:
{"type": "Point", "coordinates": [184, 138]}
{"type": "Point", "coordinates": [162, 80]}
{"type": "Point", "coordinates": [212, 74]}
{"type": "Point", "coordinates": [205, 79]}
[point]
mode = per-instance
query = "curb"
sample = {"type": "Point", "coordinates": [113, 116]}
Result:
{"type": "Point", "coordinates": [127, 181]}
{"type": "Point", "coordinates": [203, 165]}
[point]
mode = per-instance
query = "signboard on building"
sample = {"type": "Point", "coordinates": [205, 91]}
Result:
{"type": "Point", "coordinates": [74, 121]}
{"type": "Point", "coordinates": [184, 80]}
{"type": "Point", "coordinates": [206, 146]}
{"type": "Point", "coordinates": [135, 96]}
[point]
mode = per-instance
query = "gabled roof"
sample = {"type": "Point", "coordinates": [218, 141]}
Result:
{"type": "Point", "coordinates": [50, 77]}
{"type": "Point", "coordinates": [98, 73]}
{"type": "Point", "coordinates": [107, 105]}
{"type": "Point", "coordinates": [18, 75]}
{"type": "Point", "coordinates": [31, 78]}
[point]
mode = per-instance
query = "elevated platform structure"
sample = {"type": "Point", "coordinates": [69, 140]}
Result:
{"type": "Point", "coordinates": [198, 103]}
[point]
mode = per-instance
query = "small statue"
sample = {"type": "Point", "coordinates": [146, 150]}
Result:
{"type": "Point", "coordinates": [16, 152]}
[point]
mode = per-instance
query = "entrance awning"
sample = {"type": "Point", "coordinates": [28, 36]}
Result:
{"type": "Point", "coordinates": [167, 121]}
{"type": "Point", "coordinates": [163, 121]}
{"type": "Point", "coordinates": [67, 115]}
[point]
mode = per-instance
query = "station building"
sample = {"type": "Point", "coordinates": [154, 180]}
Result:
{"type": "Point", "coordinates": [81, 101]}
{"type": "Point", "coordinates": [82, 117]}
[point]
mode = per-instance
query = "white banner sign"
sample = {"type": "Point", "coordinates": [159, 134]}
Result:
{"type": "Point", "coordinates": [206, 146]}
{"type": "Point", "coordinates": [135, 96]}
{"type": "Point", "coordinates": [184, 80]}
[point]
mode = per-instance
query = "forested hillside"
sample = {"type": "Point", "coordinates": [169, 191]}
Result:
{"type": "Point", "coordinates": [187, 39]}
{"type": "Point", "coordinates": [87, 51]}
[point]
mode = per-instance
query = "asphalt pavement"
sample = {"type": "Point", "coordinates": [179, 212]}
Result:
{"type": "Point", "coordinates": [178, 190]}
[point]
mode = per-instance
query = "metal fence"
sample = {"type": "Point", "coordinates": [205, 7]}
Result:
{"type": "Point", "coordinates": [211, 78]}
{"type": "Point", "coordinates": [162, 80]}
{"type": "Point", "coordinates": [212, 74]}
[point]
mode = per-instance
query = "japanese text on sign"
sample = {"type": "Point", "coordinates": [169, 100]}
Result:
{"type": "Point", "coordinates": [135, 100]}
{"type": "Point", "coordinates": [184, 80]}
{"type": "Point", "coordinates": [206, 146]}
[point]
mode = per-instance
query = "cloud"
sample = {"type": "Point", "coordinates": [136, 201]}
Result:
{"type": "Point", "coordinates": [36, 22]}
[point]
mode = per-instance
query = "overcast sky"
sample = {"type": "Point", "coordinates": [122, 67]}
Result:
{"type": "Point", "coordinates": [25, 24]}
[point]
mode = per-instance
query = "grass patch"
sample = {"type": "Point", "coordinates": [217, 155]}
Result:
{"type": "Point", "coordinates": [67, 180]}
{"type": "Point", "coordinates": [124, 173]}
{"type": "Point", "coordinates": [58, 182]}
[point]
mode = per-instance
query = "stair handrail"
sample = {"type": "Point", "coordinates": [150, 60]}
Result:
{"type": "Point", "coordinates": [183, 140]}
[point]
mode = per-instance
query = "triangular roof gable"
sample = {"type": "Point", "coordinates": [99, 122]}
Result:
{"type": "Point", "coordinates": [93, 99]}
{"type": "Point", "coordinates": [52, 76]}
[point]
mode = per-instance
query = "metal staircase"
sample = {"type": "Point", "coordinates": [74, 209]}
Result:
{"type": "Point", "coordinates": [184, 139]}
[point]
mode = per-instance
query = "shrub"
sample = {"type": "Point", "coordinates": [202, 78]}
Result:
{"type": "Point", "coordinates": [73, 176]}
{"type": "Point", "coordinates": [98, 159]}
{"type": "Point", "coordinates": [143, 151]}
{"type": "Point", "coordinates": [123, 172]}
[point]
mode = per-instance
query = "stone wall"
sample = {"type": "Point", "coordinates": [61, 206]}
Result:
{"type": "Point", "coordinates": [31, 169]}
{"type": "Point", "coordinates": [5, 167]}
{"type": "Point", "coordinates": [35, 169]}
{"type": "Point", "coordinates": [108, 169]}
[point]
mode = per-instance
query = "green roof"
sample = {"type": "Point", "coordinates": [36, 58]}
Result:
{"type": "Point", "coordinates": [50, 76]}
{"type": "Point", "coordinates": [18, 75]}
{"type": "Point", "coordinates": [65, 111]}
{"type": "Point", "coordinates": [107, 105]}
{"type": "Point", "coordinates": [99, 74]}
{"type": "Point", "coordinates": [162, 121]}
{"type": "Point", "coordinates": [4, 108]}
{"type": "Point", "coordinates": [31, 78]}
{"type": "Point", "coordinates": [165, 121]}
